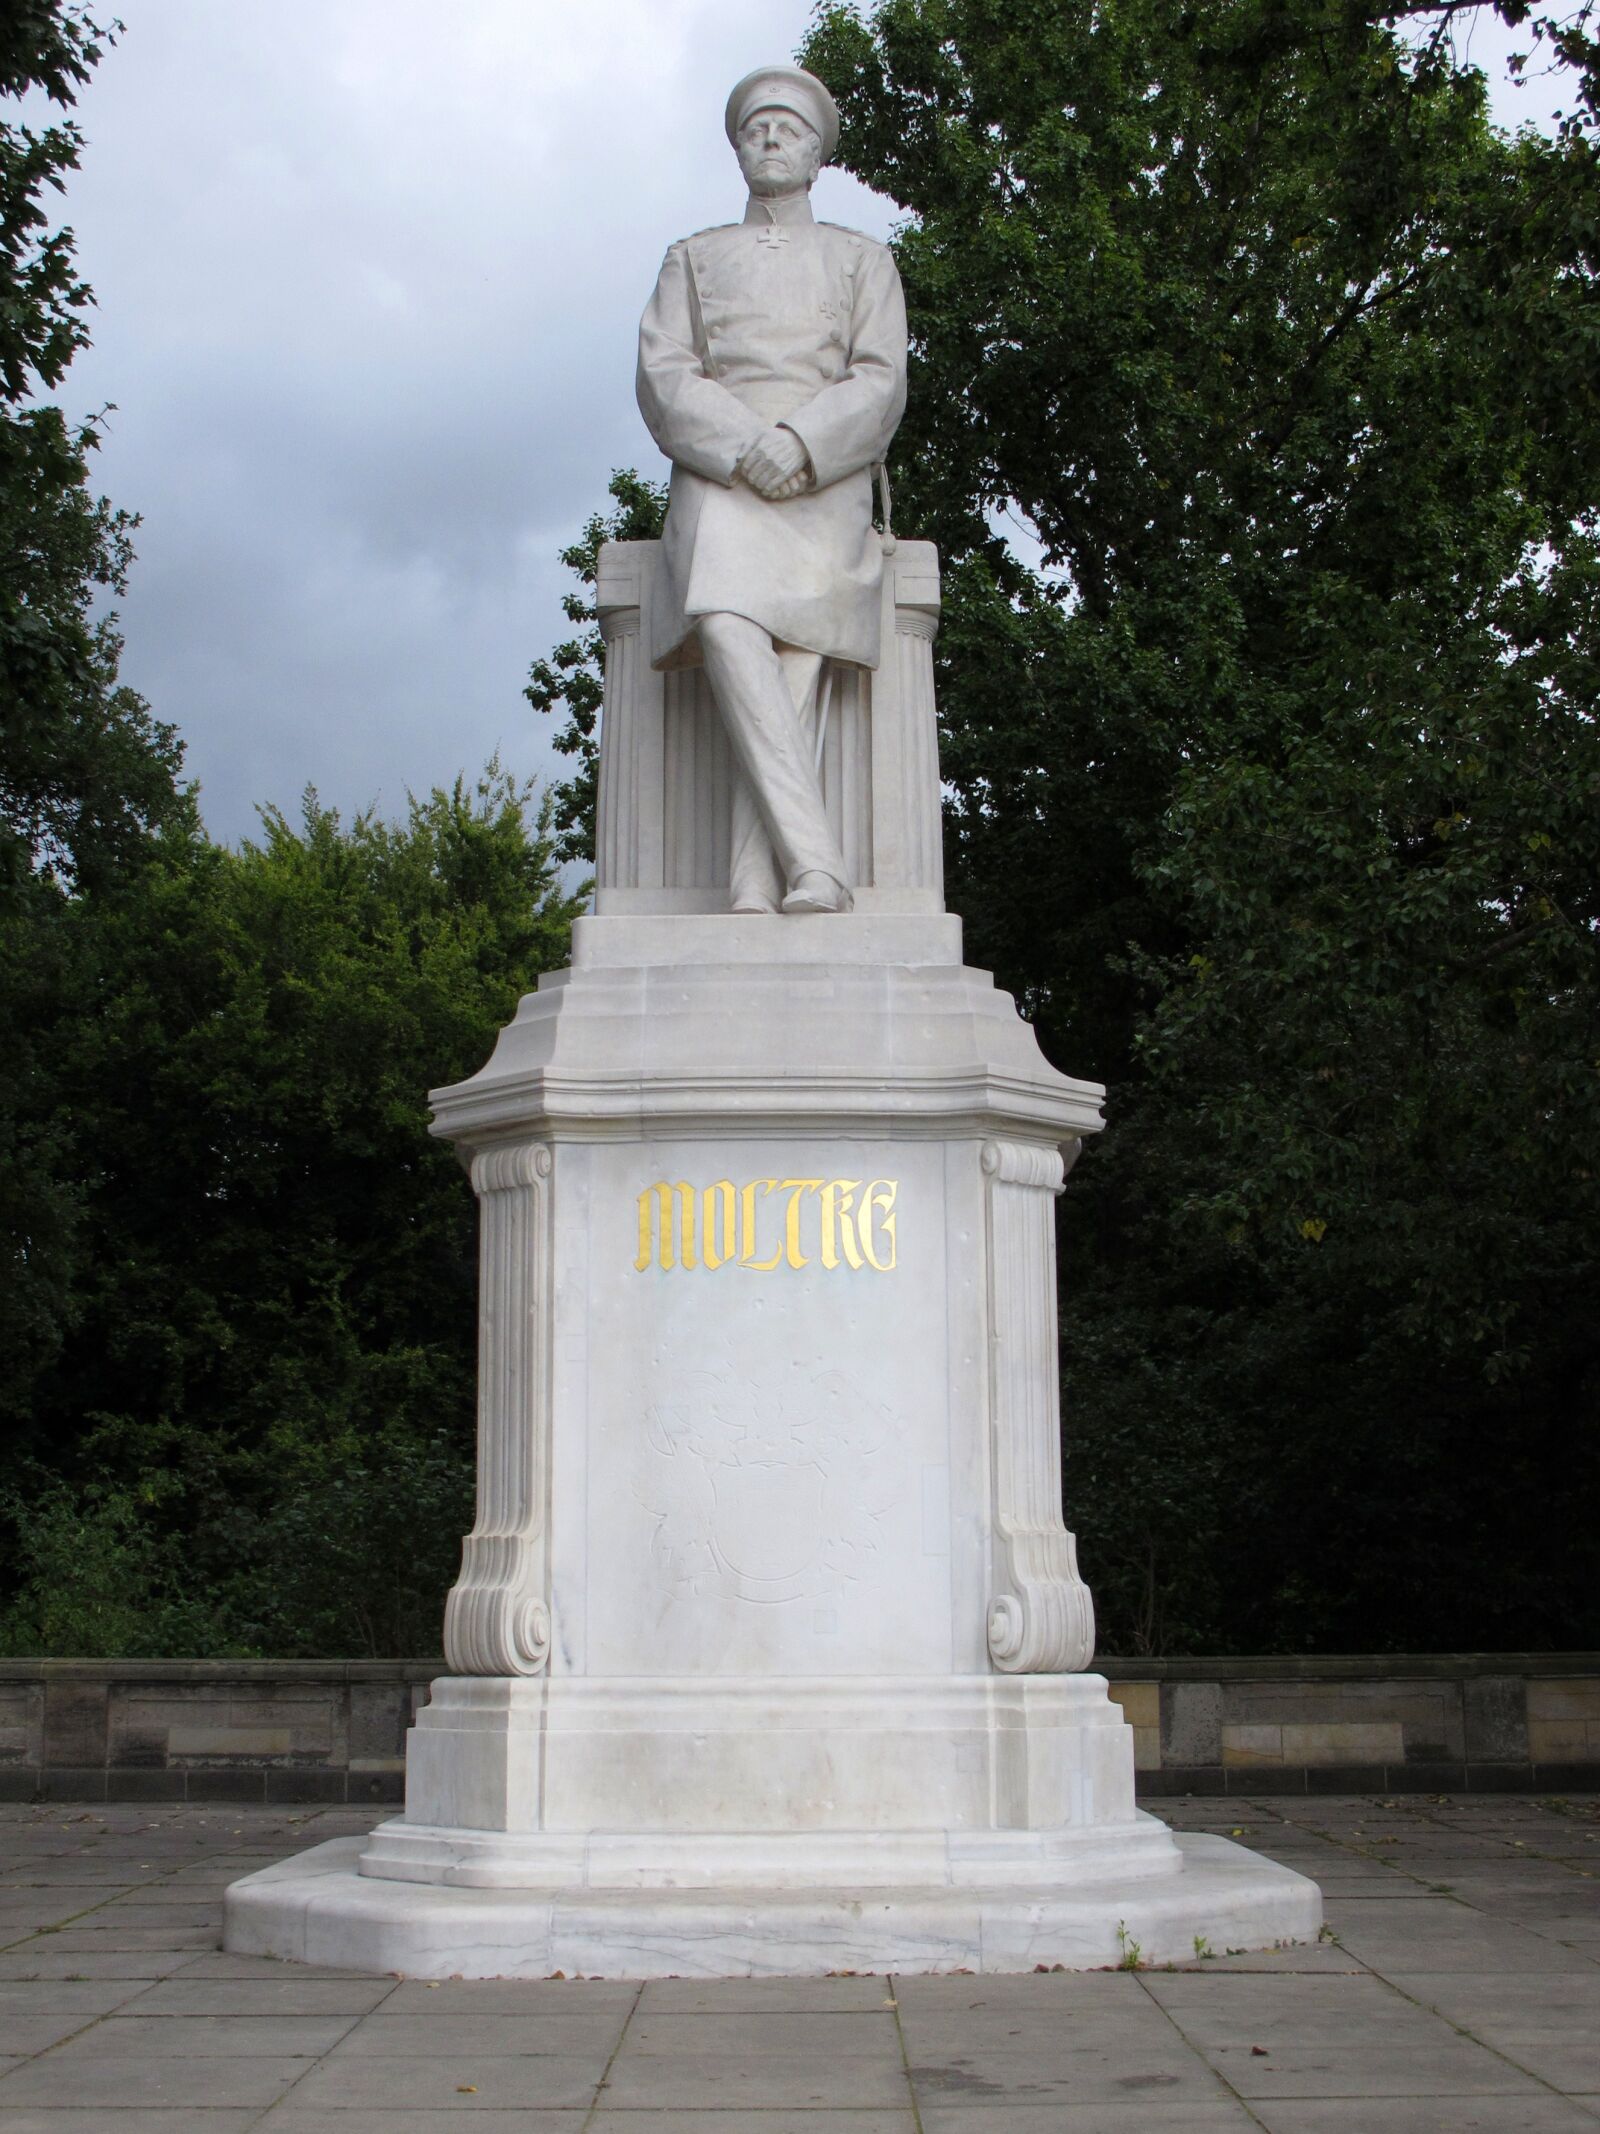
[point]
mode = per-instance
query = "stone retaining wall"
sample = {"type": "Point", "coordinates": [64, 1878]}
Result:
{"type": "Point", "coordinates": [332, 1730]}
{"type": "Point", "coordinates": [165, 1730]}
{"type": "Point", "coordinates": [1435, 1723]}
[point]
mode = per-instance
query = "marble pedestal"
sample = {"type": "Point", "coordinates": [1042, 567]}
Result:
{"type": "Point", "coordinates": [769, 1650]}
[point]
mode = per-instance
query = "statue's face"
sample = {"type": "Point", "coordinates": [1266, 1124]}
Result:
{"type": "Point", "coordinates": [778, 152]}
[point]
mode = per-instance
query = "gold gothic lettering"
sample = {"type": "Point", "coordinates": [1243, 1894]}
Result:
{"type": "Point", "coordinates": [838, 1222]}
{"type": "Point", "coordinates": [716, 1233]}
{"type": "Point", "coordinates": [747, 1228]}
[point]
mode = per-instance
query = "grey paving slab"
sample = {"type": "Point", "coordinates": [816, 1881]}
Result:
{"type": "Point", "coordinates": [1277, 2012]}
{"type": "Point", "coordinates": [109, 2084]}
{"type": "Point", "coordinates": [751, 2081]}
{"type": "Point", "coordinates": [765, 2031]}
{"type": "Point", "coordinates": [1575, 1904]}
{"type": "Point", "coordinates": [120, 1915]}
{"type": "Point", "coordinates": [1329, 1854]}
{"type": "Point", "coordinates": [186, 1890]}
{"type": "Point", "coordinates": [1206, 1812]}
{"type": "Point", "coordinates": [82, 1874]}
{"type": "Point", "coordinates": [1442, 2065]}
{"type": "Point", "coordinates": [19, 1926]}
{"type": "Point", "coordinates": [515, 2083]}
{"type": "Point", "coordinates": [1389, 1886]}
{"type": "Point", "coordinates": [1518, 1874]}
{"type": "Point", "coordinates": [1432, 1841]}
{"type": "Point", "coordinates": [1028, 1989]}
{"type": "Point", "coordinates": [1125, 2032]}
{"type": "Point", "coordinates": [187, 1995]}
{"type": "Point", "coordinates": [189, 2037]}
{"type": "Point", "coordinates": [1322, 1860]}
{"type": "Point", "coordinates": [1295, 1959]}
{"type": "Point", "coordinates": [1567, 2061]}
{"type": "Point", "coordinates": [23, 2035]}
{"type": "Point", "coordinates": [234, 1860]}
{"type": "Point", "coordinates": [87, 1940]}
{"type": "Point", "coordinates": [164, 2119]}
{"type": "Point", "coordinates": [47, 1959]}
{"type": "Point", "coordinates": [432, 1998]}
{"type": "Point", "coordinates": [222, 1963]}
{"type": "Point", "coordinates": [85, 1997]}
{"type": "Point", "coordinates": [731, 1996]}
{"type": "Point", "coordinates": [1423, 2115]}
{"type": "Point", "coordinates": [292, 2118]}
{"type": "Point", "coordinates": [1147, 2117]}
{"type": "Point", "coordinates": [1473, 1997]}
{"type": "Point", "coordinates": [1443, 1936]}
{"type": "Point", "coordinates": [773, 2119]}
{"type": "Point", "coordinates": [1066, 2072]}
{"type": "Point", "coordinates": [457, 2036]}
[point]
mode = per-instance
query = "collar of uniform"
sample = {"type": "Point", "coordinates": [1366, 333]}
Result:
{"type": "Point", "coordinates": [786, 207]}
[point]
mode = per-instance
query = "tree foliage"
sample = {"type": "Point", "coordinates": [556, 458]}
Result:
{"type": "Point", "coordinates": [259, 1436]}
{"type": "Point", "coordinates": [88, 781]}
{"type": "Point", "coordinates": [86, 775]}
{"type": "Point", "coordinates": [573, 678]}
{"type": "Point", "coordinates": [1273, 772]}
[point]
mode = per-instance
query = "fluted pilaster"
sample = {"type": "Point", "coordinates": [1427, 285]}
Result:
{"type": "Point", "coordinates": [497, 1618]}
{"type": "Point", "coordinates": [915, 630]}
{"type": "Point", "coordinates": [617, 808]}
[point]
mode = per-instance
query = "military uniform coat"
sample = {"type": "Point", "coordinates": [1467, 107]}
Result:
{"type": "Point", "coordinates": [776, 319]}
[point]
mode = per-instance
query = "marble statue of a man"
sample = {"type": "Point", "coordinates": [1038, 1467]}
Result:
{"type": "Point", "coordinates": [772, 373]}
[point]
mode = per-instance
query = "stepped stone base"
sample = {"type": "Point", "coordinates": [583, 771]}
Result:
{"type": "Point", "coordinates": [320, 1909]}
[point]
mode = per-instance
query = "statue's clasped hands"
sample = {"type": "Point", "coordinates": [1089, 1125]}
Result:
{"type": "Point", "coordinates": [777, 466]}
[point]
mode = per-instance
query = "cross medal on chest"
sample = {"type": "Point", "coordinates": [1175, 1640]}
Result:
{"type": "Point", "coordinates": [772, 236]}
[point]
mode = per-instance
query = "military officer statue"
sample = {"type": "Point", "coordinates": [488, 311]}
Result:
{"type": "Point", "coordinates": [772, 373]}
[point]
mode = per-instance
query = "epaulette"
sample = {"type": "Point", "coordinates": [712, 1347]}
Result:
{"type": "Point", "coordinates": [860, 237]}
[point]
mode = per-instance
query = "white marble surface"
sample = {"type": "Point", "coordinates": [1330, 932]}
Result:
{"type": "Point", "coordinates": [769, 1647]}
{"type": "Point", "coordinates": [772, 373]}
{"type": "Point", "coordinates": [704, 1757]}
{"type": "Point", "coordinates": [768, 1651]}
{"type": "Point", "coordinates": [665, 829]}
{"type": "Point", "coordinates": [773, 1861]}
{"type": "Point", "coordinates": [699, 940]}
{"type": "Point", "coordinates": [318, 1909]}
{"type": "Point", "coordinates": [789, 1491]}
{"type": "Point", "coordinates": [821, 1033]}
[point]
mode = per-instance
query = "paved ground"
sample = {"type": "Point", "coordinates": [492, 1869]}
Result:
{"type": "Point", "coordinates": [1462, 1992]}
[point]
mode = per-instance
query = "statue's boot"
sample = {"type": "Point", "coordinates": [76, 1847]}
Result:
{"type": "Point", "coordinates": [818, 892]}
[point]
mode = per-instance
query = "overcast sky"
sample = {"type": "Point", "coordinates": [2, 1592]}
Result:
{"type": "Point", "coordinates": [368, 277]}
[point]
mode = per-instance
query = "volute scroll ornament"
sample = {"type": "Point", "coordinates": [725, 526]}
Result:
{"type": "Point", "coordinates": [490, 1630]}
{"type": "Point", "coordinates": [505, 1169]}
{"type": "Point", "coordinates": [1047, 1626]}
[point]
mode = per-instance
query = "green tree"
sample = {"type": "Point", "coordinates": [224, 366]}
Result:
{"type": "Point", "coordinates": [1273, 781]}
{"type": "Point", "coordinates": [86, 775]}
{"type": "Point", "coordinates": [268, 1400]}
{"type": "Point", "coordinates": [88, 781]}
{"type": "Point", "coordinates": [572, 679]}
